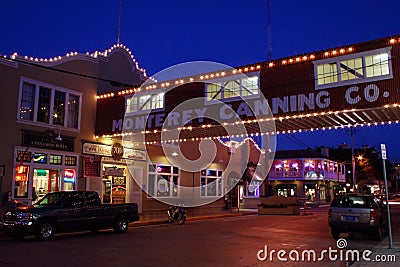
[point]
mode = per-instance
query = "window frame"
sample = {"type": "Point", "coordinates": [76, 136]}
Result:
{"type": "Point", "coordinates": [153, 97]}
{"type": "Point", "coordinates": [218, 180]}
{"type": "Point", "coordinates": [175, 172]}
{"type": "Point", "coordinates": [237, 79]}
{"type": "Point", "coordinates": [363, 79]}
{"type": "Point", "coordinates": [53, 89]}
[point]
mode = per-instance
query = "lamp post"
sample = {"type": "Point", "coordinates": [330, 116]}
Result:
{"type": "Point", "coordinates": [353, 162]}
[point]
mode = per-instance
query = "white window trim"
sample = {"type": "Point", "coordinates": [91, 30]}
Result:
{"type": "Point", "coordinates": [217, 178]}
{"type": "Point", "coordinates": [231, 78]}
{"type": "Point", "coordinates": [53, 88]}
{"type": "Point", "coordinates": [353, 56]}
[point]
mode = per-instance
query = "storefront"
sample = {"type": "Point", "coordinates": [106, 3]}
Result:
{"type": "Point", "coordinates": [40, 171]}
{"type": "Point", "coordinates": [109, 170]}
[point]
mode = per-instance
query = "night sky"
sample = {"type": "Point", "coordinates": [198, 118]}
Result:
{"type": "Point", "coordinates": [164, 33]}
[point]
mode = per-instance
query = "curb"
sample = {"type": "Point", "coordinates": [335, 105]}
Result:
{"type": "Point", "coordinates": [195, 218]}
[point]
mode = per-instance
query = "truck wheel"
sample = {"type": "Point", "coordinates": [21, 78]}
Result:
{"type": "Point", "coordinates": [335, 233]}
{"type": "Point", "coordinates": [120, 225]}
{"type": "Point", "coordinates": [45, 230]}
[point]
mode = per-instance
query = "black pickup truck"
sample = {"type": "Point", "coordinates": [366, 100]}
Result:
{"type": "Point", "coordinates": [67, 211]}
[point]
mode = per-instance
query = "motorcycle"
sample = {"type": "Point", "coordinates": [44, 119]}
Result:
{"type": "Point", "coordinates": [176, 214]}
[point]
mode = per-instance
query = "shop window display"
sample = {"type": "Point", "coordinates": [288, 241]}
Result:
{"type": "Point", "coordinates": [211, 183]}
{"type": "Point", "coordinates": [163, 180]}
{"type": "Point", "coordinates": [21, 181]}
{"type": "Point", "coordinates": [45, 181]}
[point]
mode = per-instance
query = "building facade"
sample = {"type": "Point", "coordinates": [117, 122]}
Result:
{"type": "Point", "coordinates": [49, 110]}
{"type": "Point", "coordinates": [307, 174]}
{"type": "Point", "coordinates": [109, 129]}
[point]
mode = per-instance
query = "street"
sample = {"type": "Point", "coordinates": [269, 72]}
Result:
{"type": "Point", "coordinates": [229, 241]}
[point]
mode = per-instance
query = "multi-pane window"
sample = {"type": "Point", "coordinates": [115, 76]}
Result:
{"type": "Point", "coordinates": [250, 86]}
{"type": "Point", "coordinates": [73, 111]}
{"type": "Point", "coordinates": [55, 159]}
{"type": "Point", "coordinates": [211, 183]}
{"type": "Point", "coordinates": [232, 89]}
{"type": "Point", "coordinates": [358, 68]}
{"type": "Point", "coordinates": [27, 101]}
{"type": "Point", "coordinates": [43, 114]}
{"type": "Point", "coordinates": [214, 91]}
{"type": "Point", "coordinates": [351, 69]}
{"type": "Point", "coordinates": [70, 160]}
{"type": "Point", "coordinates": [246, 86]}
{"type": "Point", "coordinates": [163, 180]}
{"type": "Point", "coordinates": [59, 108]}
{"type": "Point", "coordinates": [377, 65]}
{"type": "Point", "coordinates": [145, 102]}
{"type": "Point", "coordinates": [49, 105]}
{"type": "Point", "coordinates": [327, 73]}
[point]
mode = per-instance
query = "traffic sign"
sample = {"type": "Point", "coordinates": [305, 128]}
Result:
{"type": "Point", "coordinates": [383, 150]}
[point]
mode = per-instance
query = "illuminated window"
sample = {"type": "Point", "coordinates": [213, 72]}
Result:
{"type": "Point", "coordinates": [70, 160]}
{"type": "Point", "coordinates": [214, 91]}
{"type": "Point", "coordinates": [43, 114]}
{"type": "Point", "coordinates": [233, 87]}
{"type": "Point", "coordinates": [21, 181]}
{"type": "Point", "coordinates": [250, 86]}
{"type": "Point", "coordinates": [73, 111]}
{"type": "Point", "coordinates": [327, 73]}
{"type": "Point", "coordinates": [39, 158]}
{"type": "Point", "coordinates": [145, 102]}
{"type": "Point", "coordinates": [47, 104]}
{"type": "Point", "coordinates": [368, 66]}
{"type": "Point", "coordinates": [351, 69]}
{"type": "Point", "coordinates": [27, 106]}
{"type": "Point", "coordinates": [377, 65]}
{"type": "Point", "coordinates": [59, 108]}
{"type": "Point", "coordinates": [211, 183]}
{"type": "Point", "coordinates": [56, 159]}
{"type": "Point", "coordinates": [163, 181]}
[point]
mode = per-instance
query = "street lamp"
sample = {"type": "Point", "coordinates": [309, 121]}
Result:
{"type": "Point", "coordinates": [353, 162]}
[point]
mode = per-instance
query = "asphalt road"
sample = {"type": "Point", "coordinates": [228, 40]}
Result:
{"type": "Point", "coordinates": [230, 241]}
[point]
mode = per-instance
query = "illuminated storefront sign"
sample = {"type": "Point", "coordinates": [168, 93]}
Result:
{"type": "Point", "coordinates": [107, 151]}
{"type": "Point", "coordinates": [21, 173]}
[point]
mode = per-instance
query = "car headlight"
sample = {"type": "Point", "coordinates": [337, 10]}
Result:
{"type": "Point", "coordinates": [25, 216]}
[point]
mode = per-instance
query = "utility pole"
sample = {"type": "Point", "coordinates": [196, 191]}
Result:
{"type": "Point", "coordinates": [269, 31]}
{"type": "Point", "coordinates": [119, 21]}
{"type": "Point", "coordinates": [389, 226]}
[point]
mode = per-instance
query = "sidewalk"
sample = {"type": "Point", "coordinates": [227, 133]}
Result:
{"type": "Point", "coordinates": [384, 253]}
{"type": "Point", "coordinates": [151, 220]}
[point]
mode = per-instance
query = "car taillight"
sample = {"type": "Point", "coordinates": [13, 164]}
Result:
{"type": "Point", "coordinates": [373, 215]}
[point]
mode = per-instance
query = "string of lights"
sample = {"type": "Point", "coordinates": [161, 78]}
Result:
{"type": "Point", "coordinates": [49, 63]}
{"type": "Point", "coordinates": [245, 69]}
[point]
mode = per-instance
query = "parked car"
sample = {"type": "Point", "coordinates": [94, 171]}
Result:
{"type": "Point", "coordinates": [67, 211]}
{"type": "Point", "coordinates": [357, 213]}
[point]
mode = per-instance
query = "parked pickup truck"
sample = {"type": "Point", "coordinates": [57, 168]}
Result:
{"type": "Point", "coordinates": [67, 211]}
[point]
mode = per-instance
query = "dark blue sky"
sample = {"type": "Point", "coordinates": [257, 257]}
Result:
{"type": "Point", "coordinates": [163, 33]}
